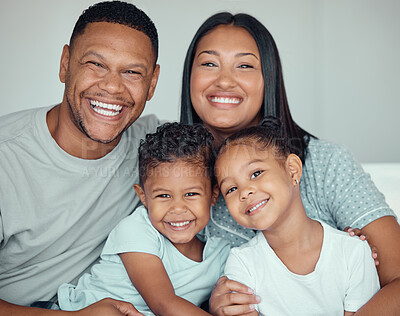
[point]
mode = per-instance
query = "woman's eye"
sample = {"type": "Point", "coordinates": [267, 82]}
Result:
{"type": "Point", "coordinates": [231, 190]}
{"type": "Point", "coordinates": [244, 66]}
{"type": "Point", "coordinates": [256, 174]}
{"type": "Point", "coordinates": [208, 64]}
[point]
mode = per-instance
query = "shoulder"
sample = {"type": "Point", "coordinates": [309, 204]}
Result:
{"type": "Point", "coordinates": [144, 125]}
{"type": "Point", "coordinates": [248, 249]}
{"type": "Point", "coordinates": [137, 220]}
{"type": "Point", "coordinates": [351, 246]}
{"type": "Point", "coordinates": [14, 124]}
{"type": "Point", "coordinates": [322, 150]}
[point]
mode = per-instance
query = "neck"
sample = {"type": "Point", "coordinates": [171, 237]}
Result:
{"type": "Point", "coordinates": [72, 140]}
{"type": "Point", "coordinates": [295, 230]}
{"type": "Point", "coordinates": [192, 249]}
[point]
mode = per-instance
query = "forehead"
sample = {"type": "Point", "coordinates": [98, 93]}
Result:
{"type": "Point", "coordinates": [180, 170]}
{"type": "Point", "coordinates": [235, 156]}
{"type": "Point", "coordinates": [228, 38]}
{"type": "Point", "coordinates": [118, 37]}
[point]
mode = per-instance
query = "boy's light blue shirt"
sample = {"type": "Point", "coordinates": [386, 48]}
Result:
{"type": "Point", "coordinates": [191, 280]}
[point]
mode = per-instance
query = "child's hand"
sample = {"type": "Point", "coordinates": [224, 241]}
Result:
{"type": "Point", "coordinates": [232, 298]}
{"type": "Point", "coordinates": [357, 232]}
{"type": "Point", "coordinates": [109, 307]}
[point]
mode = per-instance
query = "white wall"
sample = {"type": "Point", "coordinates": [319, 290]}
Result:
{"type": "Point", "coordinates": [341, 60]}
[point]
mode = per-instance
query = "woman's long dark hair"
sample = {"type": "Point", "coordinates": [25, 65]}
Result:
{"type": "Point", "coordinates": [275, 100]}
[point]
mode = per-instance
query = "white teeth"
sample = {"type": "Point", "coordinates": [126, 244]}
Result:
{"type": "Point", "coordinates": [105, 108]}
{"type": "Point", "coordinates": [258, 205]}
{"type": "Point", "coordinates": [225, 100]}
{"type": "Point", "coordinates": [179, 224]}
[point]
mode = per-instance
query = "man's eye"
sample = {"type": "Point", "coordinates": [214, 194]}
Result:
{"type": "Point", "coordinates": [132, 72]}
{"type": "Point", "coordinates": [256, 174]}
{"type": "Point", "coordinates": [231, 190]}
{"type": "Point", "coordinates": [95, 63]}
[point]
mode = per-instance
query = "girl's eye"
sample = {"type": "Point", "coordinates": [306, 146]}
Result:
{"type": "Point", "coordinates": [191, 194]}
{"type": "Point", "coordinates": [231, 190]}
{"type": "Point", "coordinates": [256, 174]}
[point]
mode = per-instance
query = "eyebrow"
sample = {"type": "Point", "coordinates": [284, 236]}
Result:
{"type": "Point", "coordinates": [215, 53]}
{"type": "Point", "coordinates": [248, 164]}
{"type": "Point", "coordinates": [101, 57]}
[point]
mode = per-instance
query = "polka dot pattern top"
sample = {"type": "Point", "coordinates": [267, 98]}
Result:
{"type": "Point", "coordinates": [334, 188]}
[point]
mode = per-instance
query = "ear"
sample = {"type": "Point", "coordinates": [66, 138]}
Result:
{"type": "Point", "coordinates": [140, 192]}
{"type": "Point", "coordinates": [294, 167]}
{"type": "Point", "coordinates": [153, 82]}
{"type": "Point", "coordinates": [215, 194]}
{"type": "Point", "coordinates": [64, 62]}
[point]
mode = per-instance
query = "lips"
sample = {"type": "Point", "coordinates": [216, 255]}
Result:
{"type": "Point", "coordinates": [224, 100]}
{"type": "Point", "coordinates": [256, 206]}
{"type": "Point", "coordinates": [105, 109]}
{"type": "Point", "coordinates": [179, 225]}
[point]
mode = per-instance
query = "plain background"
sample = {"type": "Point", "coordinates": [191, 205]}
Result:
{"type": "Point", "coordinates": [341, 60]}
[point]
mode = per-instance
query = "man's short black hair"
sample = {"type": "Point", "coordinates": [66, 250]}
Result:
{"type": "Point", "coordinates": [174, 141]}
{"type": "Point", "coordinates": [117, 12]}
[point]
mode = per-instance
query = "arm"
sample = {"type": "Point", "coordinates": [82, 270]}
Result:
{"type": "Point", "coordinates": [232, 298]}
{"type": "Point", "coordinates": [348, 313]}
{"type": "Point", "coordinates": [384, 233]}
{"type": "Point", "coordinates": [149, 277]}
{"type": "Point", "coordinates": [105, 307]}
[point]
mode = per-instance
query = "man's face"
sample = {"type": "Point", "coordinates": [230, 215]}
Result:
{"type": "Point", "coordinates": [109, 75]}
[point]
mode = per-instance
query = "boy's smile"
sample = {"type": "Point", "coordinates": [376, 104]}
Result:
{"type": "Point", "coordinates": [178, 197]}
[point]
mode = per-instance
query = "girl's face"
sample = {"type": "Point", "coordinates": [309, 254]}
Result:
{"type": "Point", "coordinates": [259, 190]}
{"type": "Point", "coordinates": [227, 85]}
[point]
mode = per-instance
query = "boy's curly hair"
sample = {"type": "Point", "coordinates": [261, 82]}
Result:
{"type": "Point", "coordinates": [175, 141]}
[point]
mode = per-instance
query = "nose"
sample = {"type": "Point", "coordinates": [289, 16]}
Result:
{"type": "Point", "coordinates": [178, 207]}
{"type": "Point", "coordinates": [246, 193]}
{"type": "Point", "coordinates": [225, 79]}
{"type": "Point", "coordinates": [111, 82]}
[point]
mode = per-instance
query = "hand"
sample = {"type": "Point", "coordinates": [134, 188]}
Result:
{"type": "Point", "coordinates": [109, 307]}
{"type": "Point", "coordinates": [224, 302]}
{"type": "Point", "coordinates": [357, 232]}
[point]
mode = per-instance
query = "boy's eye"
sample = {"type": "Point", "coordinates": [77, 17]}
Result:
{"type": "Point", "coordinates": [163, 196]}
{"type": "Point", "coordinates": [256, 174]}
{"type": "Point", "coordinates": [191, 194]}
{"type": "Point", "coordinates": [231, 190]}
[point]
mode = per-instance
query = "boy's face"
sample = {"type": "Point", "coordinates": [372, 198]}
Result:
{"type": "Point", "coordinates": [178, 197]}
{"type": "Point", "coordinates": [257, 188]}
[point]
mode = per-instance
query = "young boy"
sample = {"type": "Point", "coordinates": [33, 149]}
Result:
{"type": "Point", "coordinates": [296, 265]}
{"type": "Point", "coordinates": [160, 258]}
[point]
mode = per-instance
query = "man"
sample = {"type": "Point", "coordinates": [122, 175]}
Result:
{"type": "Point", "coordinates": [67, 172]}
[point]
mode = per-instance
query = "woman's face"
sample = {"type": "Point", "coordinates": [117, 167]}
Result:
{"type": "Point", "coordinates": [227, 85]}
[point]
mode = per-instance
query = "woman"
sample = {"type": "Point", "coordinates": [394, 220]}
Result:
{"type": "Point", "coordinates": [232, 78]}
